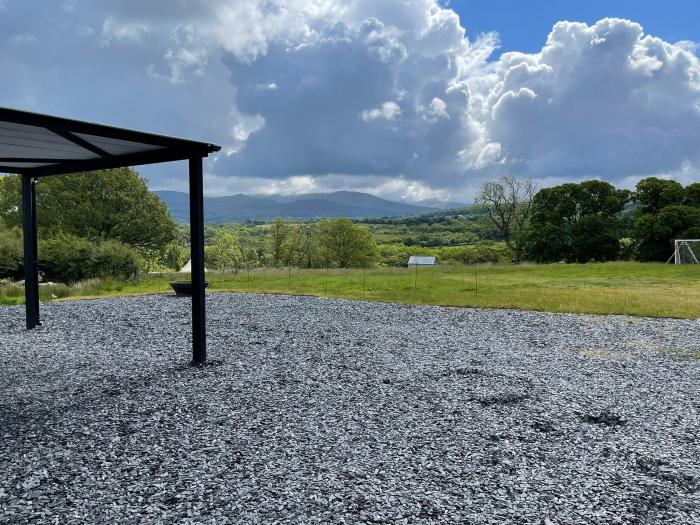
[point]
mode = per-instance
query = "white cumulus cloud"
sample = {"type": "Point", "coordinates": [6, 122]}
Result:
{"type": "Point", "coordinates": [388, 111]}
{"type": "Point", "coordinates": [604, 100]}
{"type": "Point", "coordinates": [389, 96]}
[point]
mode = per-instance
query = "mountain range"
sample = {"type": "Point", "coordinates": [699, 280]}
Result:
{"type": "Point", "coordinates": [352, 204]}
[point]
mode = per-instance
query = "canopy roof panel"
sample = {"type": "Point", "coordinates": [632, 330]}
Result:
{"type": "Point", "coordinates": [41, 145]}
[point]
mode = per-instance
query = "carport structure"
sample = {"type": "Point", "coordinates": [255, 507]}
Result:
{"type": "Point", "coordinates": [35, 146]}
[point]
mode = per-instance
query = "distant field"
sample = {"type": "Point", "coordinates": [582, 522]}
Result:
{"type": "Point", "coordinates": [655, 290]}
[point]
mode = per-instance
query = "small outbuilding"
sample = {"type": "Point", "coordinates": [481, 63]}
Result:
{"type": "Point", "coordinates": [421, 260]}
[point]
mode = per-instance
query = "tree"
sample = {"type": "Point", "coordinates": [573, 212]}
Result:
{"type": "Point", "coordinates": [654, 234]}
{"type": "Point", "coordinates": [277, 242]}
{"type": "Point", "coordinates": [11, 252]}
{"type": "Point", "coordinates": [557, 205]}
{"type": "Point", "coordinates": [595, 237]}
{"type": "Point", "coordinates": [692, 195]}
{"type": "Point", "coordinates": [110, 204]}
{"type": "Point", "coordinates": [508, 201]}
{"type": "Point", "coordinates": [174, 256]}
{"type": "Point", "coordinates": [68, 258]}
{"type": "Point", "coordinates": [601, 198]}
{"type": "Point", "coordinates": [346, 245]}
{"type": "Point", "coordinates": [568, 203]}
{"type": "Point", "coordinates": [306, 246]}
{"type": "Point", "coordinates": [576, 222]}
{"type": "Point", "coordinates": [224, 251]}
{"type": "Point", "coordinates": [546, 243]}
{"type": "Point", "coordinates": [653, 194]}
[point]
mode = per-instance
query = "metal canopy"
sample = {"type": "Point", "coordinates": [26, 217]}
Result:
{"type": "Point", "coordinates": [40, 145]}
{"type": "Point", "coordinates": [35, 145]}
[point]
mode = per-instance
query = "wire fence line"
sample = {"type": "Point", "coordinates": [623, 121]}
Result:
{"type": "Point", "coordinates": [655, 290]}
{"type": "Point", "coordinates": [414, 284]}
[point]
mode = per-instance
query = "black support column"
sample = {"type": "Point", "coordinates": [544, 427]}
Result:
{"type": "Point", "coordinates": [199, 342]}
{"type": "Point", "coordinates": [35, 252]}
{"type": "Point", "coordinates": [31, 281]}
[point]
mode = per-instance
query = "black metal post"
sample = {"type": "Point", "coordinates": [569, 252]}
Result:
{"type": "Point", "coordinates": [30, 276]}
{"type": "Point", "coordinates": [199, 343]}
{"type": "Point", "coordinates": [35, 250]}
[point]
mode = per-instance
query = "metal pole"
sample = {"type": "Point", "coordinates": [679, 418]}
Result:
{"type": "Point", "coordinates": [415, 281]}
{"type": "Point", "coordinates": [30, 275]}
{"type": "Point", "coordinates": [675, 253]}
{"type": "Point", "coordinates": [199, 343]}
{"type": "Point", "coordinates": [35, 251]}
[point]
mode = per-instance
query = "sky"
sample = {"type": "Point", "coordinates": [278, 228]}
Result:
{"type": "Point", "coordinates": [523, 25]}
{"type": "Point", "coordinates": [406, 99]}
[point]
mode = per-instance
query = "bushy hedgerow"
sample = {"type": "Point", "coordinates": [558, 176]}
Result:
{"type": "Point", "coordinates": [68, 259]}
{"type": "Point", "coordinates": [11, 253]}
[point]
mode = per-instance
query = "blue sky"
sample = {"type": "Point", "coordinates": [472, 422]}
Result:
{"type": "Point", "coordinates": [524, 25]}
{"type": "Point", "coordinates": [407, 99]}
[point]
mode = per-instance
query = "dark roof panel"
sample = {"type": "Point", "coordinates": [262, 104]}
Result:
{"type": "Point", "coordinates": [43, 145]}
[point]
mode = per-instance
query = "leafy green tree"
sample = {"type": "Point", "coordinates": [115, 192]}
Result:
{"type": "Point", "coordinates": [692, 195]}
{"type": "Point", "coordinates": [547, 242]}
{"type": "Point", "coordinates": [654, 234]}
{"type": "Point", "coordinates": [224, 252]}
{"type": "Point", "coordinates": [346, 245]}
{"type": "Point", "coordinates": [174, 256]}
{"type": "Point", "coordinates": [576, 222]}
{"type": "Point", "coordinates": [595, 237]}
{"type": "Point", "coordinates": [568, 203]}
{"type": "Point", "coordinates": [508, 202]}
{"type": "Point", "coordinates": [302, 246]}
{"type": "Point", "coordinates": [11, 252]}
{"type": "Point", "coordinates": [653, 194]}
{"type": "Point", "coordinates": [601, 198]}
{"type": "Point", "coordinates": [110, 204]}
{"type": "Point", "coordinates": [557, 205]}
{"type": "Point", "coordinates": [68, 258]}
{"type": "Point", "coordinates": [278, 242]}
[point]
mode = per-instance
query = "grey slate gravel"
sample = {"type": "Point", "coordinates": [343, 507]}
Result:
{"type": "Point", "coordinates": [330, 411]}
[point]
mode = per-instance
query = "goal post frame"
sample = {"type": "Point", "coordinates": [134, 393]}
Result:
{"type": "Point", "coordinates": [680, 244]}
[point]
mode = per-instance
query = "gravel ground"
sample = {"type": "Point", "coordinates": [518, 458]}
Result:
{"type": "Point", "coordinates": [330, 411]}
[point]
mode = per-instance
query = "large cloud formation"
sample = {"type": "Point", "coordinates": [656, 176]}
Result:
{"type": "Point", "coordinates": [390, 97]}
{"type": "Point", "coordinates": [602, 100]}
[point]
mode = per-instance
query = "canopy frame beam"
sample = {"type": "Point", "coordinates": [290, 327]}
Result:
{"type": "Point", "coordinates": [158, 148]}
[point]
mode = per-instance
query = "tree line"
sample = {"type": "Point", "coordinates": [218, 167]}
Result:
{"type": "Point", "coordinates": [336, 243]}
{"type": "Point", "coordinates": [97, 224]}
{"type": "Point", "coordinates": [592, 220]}
{"type": "Point", "coordinates": [108, 224]}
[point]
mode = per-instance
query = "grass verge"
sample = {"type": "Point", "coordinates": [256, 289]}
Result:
{"type": "Point", "coordinates": [654, 290]}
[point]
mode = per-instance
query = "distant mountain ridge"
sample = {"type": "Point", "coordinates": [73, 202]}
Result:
{"type": "Point", "coordinates": [240, 207]}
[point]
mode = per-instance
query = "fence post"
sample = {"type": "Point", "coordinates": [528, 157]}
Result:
{"type": "Point", "coordinates": [415, 282]}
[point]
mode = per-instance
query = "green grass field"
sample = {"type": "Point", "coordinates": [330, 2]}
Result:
{"type": "Point", "coordinates": [655, 290]}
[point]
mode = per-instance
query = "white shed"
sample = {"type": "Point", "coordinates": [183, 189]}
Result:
{"type": "Point", "coordinates": [421, 260]}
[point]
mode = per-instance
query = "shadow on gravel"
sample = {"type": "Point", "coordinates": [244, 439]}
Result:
{"type": "Point", "coordinates": [604, 418]}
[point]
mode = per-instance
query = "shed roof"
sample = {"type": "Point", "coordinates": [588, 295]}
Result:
{"type": "Point", "coordinates": [421, 259]}
{"type": "Point", "coordinates": [40, 145]}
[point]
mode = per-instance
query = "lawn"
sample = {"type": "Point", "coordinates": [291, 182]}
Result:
{"type": "Point", "coordinates": [655, 290]}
